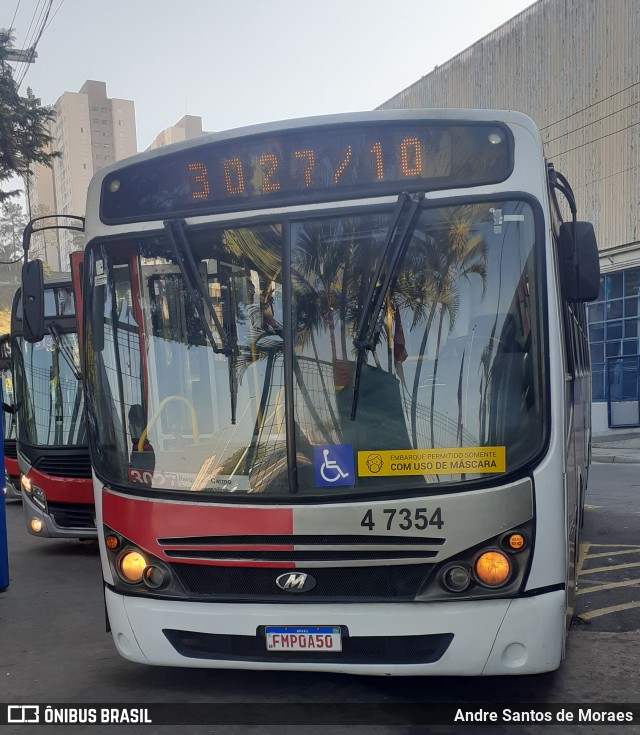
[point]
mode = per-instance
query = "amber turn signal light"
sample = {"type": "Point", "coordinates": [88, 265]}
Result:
{"type": "Point", "coordinates": [112, 542]}
{"type": "Point", "coordinates": [515, 541]}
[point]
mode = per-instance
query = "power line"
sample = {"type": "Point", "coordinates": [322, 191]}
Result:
{"type": "Point", "coordinates": [604, 178]}
{"type": "Point", "coordinates": [38, 36]}
{"type": "Point", "coordinates": [54, 15]}
{"type": "Point", "coordinates": [593, 122]}
{"type": "Point", "coordinates": [15, 14]}
{"type": "Point", "coordinates": [604, 99]}
{"type": "Point", "coordinates": [26, 45]}
{"type": "Point", "coordinates": [595, 140]}
{"type": "Point", "coordinates": [43, 24]}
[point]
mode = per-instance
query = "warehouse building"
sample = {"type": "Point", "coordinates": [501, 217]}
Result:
{"type": "Point", "coordinates": [574, 67]}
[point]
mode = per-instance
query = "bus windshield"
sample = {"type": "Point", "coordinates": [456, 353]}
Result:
{"type": "Point", "coordinates": [450, 388]}
{"type": "Point", "coordinates": [49, 391]}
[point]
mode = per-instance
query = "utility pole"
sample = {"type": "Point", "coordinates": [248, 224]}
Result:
{"type": "Point", "coordinates": [28, 55]}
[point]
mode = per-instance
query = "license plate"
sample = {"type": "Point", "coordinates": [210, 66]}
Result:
{"type": "Point", "coordinates": [323, 639]}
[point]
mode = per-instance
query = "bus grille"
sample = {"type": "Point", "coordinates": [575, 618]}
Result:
{"type": "Point", "coordinates": [72, 515]}
{"type": "Point", "coordinates": [300, 539]}
{"type": "Point", "coordinates": [300, 556]}
{"type": "Point", "coordinates": [302, 548]}
{"type": "Point", "coordinates": [78, 466]}
{"type": "Point", "coordinates": [405, 649]}
{"type": "Point", "coordinates": [10, 449]}
{"type": "Point", "coordinates": [393, 582]}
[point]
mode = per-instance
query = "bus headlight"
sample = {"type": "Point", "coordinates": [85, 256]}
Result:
{"type": "Point", "coordinates": [138, 571]}
{"type": "Point", "coordinates": [36, 525]}
{"type": "Point", "coordinates": [456, 578]}
{"type": "Point", "coordinates": [36, 493]}
{"type": "Point", "coordinates": [38, 497]}
{"type": "Point", "coordinates": [497, 567]}
{"type": "Point", "coordinates": [492, 568]}
{"type": "Point", "coordinates": [131, 566]}
{"type": "Point", "coordinates": [154, 577]}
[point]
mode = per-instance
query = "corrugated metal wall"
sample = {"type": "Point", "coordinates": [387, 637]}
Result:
{"type": "Point", "coordinates": [574, 67]}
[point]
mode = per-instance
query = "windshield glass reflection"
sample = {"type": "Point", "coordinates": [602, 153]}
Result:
{"type": "Point", "coordinates": [454, 361]}
{"type": "Point", "coordinates": [189, 394]}
{"type": "Point", "coordinates": [49, 395]}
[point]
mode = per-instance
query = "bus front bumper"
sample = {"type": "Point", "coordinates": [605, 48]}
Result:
{"type": "Point", "coordinates": [12, 489]}
{"type": "Point", "coordinates": [35, 517]}
{"type": "Point", "coordinates": [488, 637]}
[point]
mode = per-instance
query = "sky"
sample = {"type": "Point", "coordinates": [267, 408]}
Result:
{"type": "Point", "coordinates": [240, 62]}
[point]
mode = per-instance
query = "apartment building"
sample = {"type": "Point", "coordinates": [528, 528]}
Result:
{"type": "Point", "coordinates": [91, 130]}
{"type": "Point", "coordinates": [190, 126]}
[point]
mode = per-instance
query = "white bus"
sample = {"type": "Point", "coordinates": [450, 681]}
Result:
{"type": "Point", "coordinates": [338, 395]}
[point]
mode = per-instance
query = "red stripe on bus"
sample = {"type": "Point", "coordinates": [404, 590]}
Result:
{"type": "Point", "coordinates": [12, 466]}
{"type": "Point", "coordinates": [229, 563]}
{"type": "Point", "coordinates": [63, 489]}
{"type": "Point", "coordinates": [226, 547]}
{"type": "Point", "coordinates": [143, 522]}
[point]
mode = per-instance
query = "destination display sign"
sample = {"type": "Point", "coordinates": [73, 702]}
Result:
{"type": "Point", "coordinates": [324, 163]}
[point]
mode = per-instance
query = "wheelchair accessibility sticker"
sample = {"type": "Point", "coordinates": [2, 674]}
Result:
{"type": "Point", "coordinates": [334, 465]}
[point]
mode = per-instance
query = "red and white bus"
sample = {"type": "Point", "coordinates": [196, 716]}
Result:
{"type": "Point", "coordinates": [11, 470]}
{"type": "Point", "coordinates": [338, 395]}
{"type": "Point", "coordinates": [52, 450]}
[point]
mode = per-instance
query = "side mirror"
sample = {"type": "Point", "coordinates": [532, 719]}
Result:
{"type": "Point", "coordinates": [33, 301]}
{"type": "Point", "coordinates": [579, 262]}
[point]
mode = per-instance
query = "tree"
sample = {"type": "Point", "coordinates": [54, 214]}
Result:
{"type": "Point", "coordinates": [12, 224]}
{"type": "Point", "coordinates": [24, 136]}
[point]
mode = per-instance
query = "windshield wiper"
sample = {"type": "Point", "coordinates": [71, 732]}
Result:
{"type": "Point", "coordinates": [64, 350]}
{"type": "Point", "coordinates": [176, 233]}
{"type": "Point", "coordinates": [393, 250]}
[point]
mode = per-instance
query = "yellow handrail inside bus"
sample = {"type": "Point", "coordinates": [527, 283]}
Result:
{"type": "Point", "coordinates": [154, 418]}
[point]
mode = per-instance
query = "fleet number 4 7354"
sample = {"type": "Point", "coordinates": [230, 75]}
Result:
{"type": "Point", "coordinates": [402, 519]}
